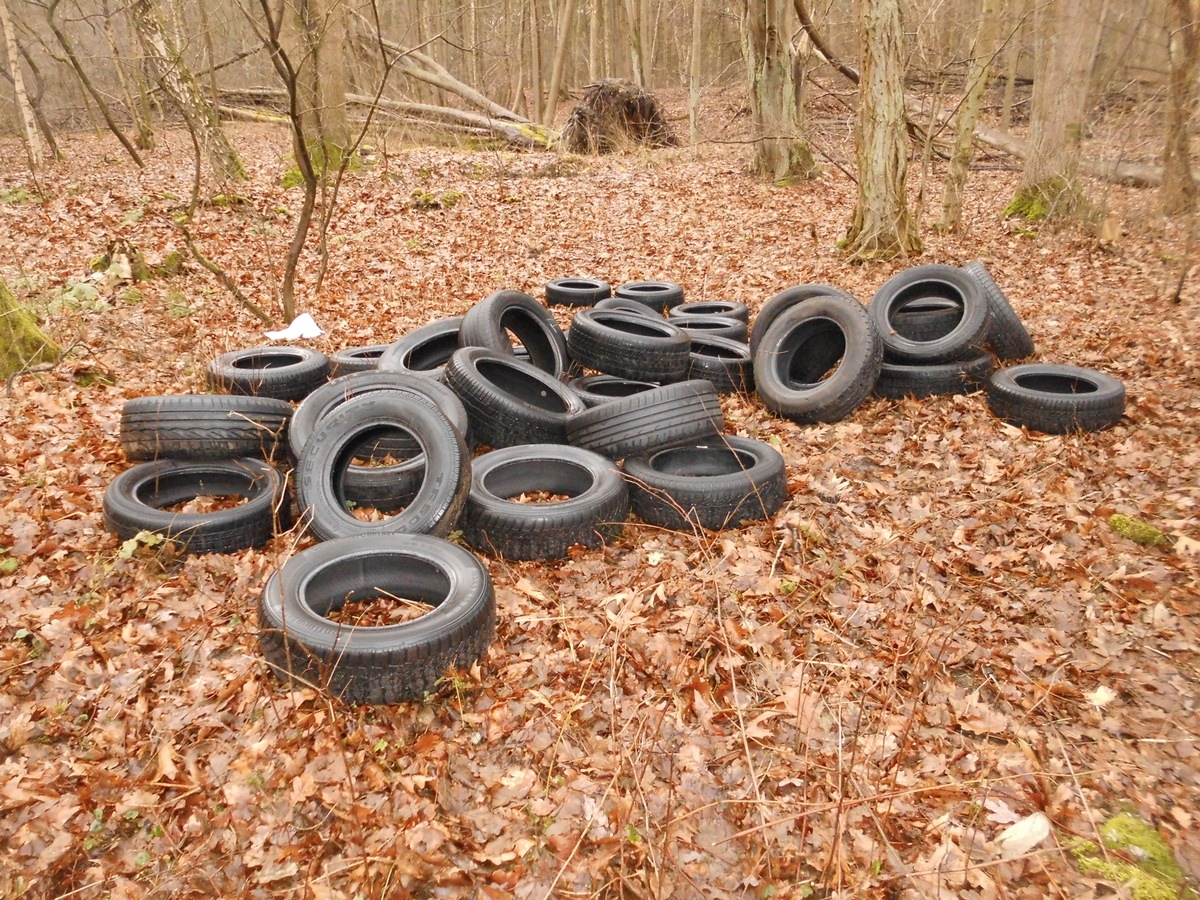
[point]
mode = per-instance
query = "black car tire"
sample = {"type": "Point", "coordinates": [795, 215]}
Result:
{"type": "Point", "coordinates": [436, 506]}
{"type": "Point", "coordinates": [356, 359]}
{"type": "Point", "coordinates": [624, 304]}
{"type": "Point", "coordinates": [658, 295]}
{"type": "Point", "coordinates": [926, 319]}
{"type": "Point", "coordinates": [961, 376]}
{"type": "Point", "coordinates": [376, 664]}
{"type": "Point", "coordinates": [729, 309]}
{"type": "Point", "coordinates": [819, 360]}
{"type": "Point", "coordinates": [595, 512]}
{"type": "Point", "coordinates": [725, 363]}
{"type": "Point", "coordinates": [714, 326]}
{"type": "Point", "coordinates": [284, 373]}
{"type": "Point", "coordinates": [508, 401]}
{"type": "Point", "coordinates": [630, 345]}
{"type": "Point", "coordinates": [597, 389]}
{"type": "Point", "coordinates": [648, 421]}
{"type": "Point", "coordinates": [938, 282]}
{"type": "Point", "coordinates": [203, 426]}
{"type": "Point", "coordinates": [490, 322]}
{"type": "Point", "coordinates": [1056, 399]}
{"type": "Point", "coordinates": [1007, 334]}
{"type": "Point", "coordinates": [785, 300]}
{"type": "Point", "coordinates": [576, 291]}
{"type": "Point", "coordinates": [136, 501]}
{"type": "Point", "coordinates": [423, 351]}
{"type": "Point", "coordinates": [714, 485]}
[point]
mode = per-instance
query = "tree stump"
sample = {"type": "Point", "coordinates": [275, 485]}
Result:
{"type": "Point", "coordinates": [21, 341]}
{"type": "Point", "coordinates": [615, 116]}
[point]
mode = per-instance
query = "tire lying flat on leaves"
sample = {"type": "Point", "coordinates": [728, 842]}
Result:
{"type": "Point", "coordinates": [1056, 399]}
{"type": "Point", "coordinates": [423, 351]}
{"type": "Point", "coordinates": [714, 485]}
{"type": "Point", "coordinates": [285, 373]}
{"type": "Point", "coordinates": [625, 305]}
{"type": "Point", "coordinates": [595, 511]}
{"type": "Point", "coordinates": [136, 501]}
{"type": "Point", "coordinates": [596, 389]}
{"type": "Point", "coordinates": [961, 376]}
{"type": "Point", "coordinates": [819, 360]}
{"type": "Point", "coordinates": [490, 321]}
{"type": "Point", "coordinates": [1006, 334]}
{"type": "Point", "coordinates": [928, 283]}
{"type": "Point", "coordinates": [577, 291]}
{"type": "Point", "coordinates": [356, 359]}
{"type": "Point", "coordinates": [658, 295]}
{"type": "Point", "coordinates": [650, 420]}
{"type": "Point", "coordinates": [785, 300]}
{"type": "Point", "coordinates": [438, 502]}
{"type": "Point", "coordinates": [376, 664]}
{"type": "Point", "coordinates": [510, 402]}
{"type": "Point", "coordinates": [730, 309]}
{"type": "Point", "coordinates": [629, 345]}
{"type": "Point", "coordinates": [385, 487]}
{"type": "Point", "coordinates": [203, 426]}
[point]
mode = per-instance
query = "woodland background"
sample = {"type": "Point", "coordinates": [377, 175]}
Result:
{"type": "Point", "coordinates": [938, 637]}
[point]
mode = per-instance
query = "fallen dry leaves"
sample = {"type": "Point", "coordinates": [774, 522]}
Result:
{"type": "Point", "coordinates": [937, 639]}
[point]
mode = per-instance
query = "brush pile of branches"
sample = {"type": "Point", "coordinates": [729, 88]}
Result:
{"type": "Point", "coordinates": [614, 116]}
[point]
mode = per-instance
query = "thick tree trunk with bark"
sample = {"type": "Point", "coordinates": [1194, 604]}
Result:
{"type": "Point", "coordinates": [173, 76]}
{"type": "Point", "coordinates": [1183, 27]}
{"type": "Point", "coordinates": [882, 226]}
{"type": "Point", "coordinates": [29, 129]}
{"type": "Point", "coordinates": [780, 152]}
{"type": "Point", "coordinates": [314, 35]}
{"type": "Point", "coordinates": [968, 116]}
{"type": "Point", "coordinates": [22, 343]}
{"type": "Point", "coordinates": [1068, 33]}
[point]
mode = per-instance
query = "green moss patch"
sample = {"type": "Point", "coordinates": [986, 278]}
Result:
{"type": "Point", "coordinates": [1139, 858]}
{"type": "Point", "coordinates": [1138, 531]}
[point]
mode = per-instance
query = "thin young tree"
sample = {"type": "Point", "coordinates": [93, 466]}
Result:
{"type": "Point", "coordinates": [882, 225]}
{"type": "Point", "coordinates": [780, 151]}
{"type": "Point", "coordinates": [1183, 27]}
{"type": "Point", "coordinates": [34, 148]}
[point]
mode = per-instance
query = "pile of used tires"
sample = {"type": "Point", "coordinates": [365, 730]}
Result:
{"type": "Point", "coordinates": [620, 413]}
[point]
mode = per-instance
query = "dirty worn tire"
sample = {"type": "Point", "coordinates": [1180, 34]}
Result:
{"type": "Point", "coordinates": [658, 295]}
{"type": "Point", "coordinates": [285, 373]}
{"type": "Point", "coordinates": [729, 309]}
{"type": "Point", "coordinates": [436, 506]}
{"type": "Point", "coordinates": [491, 321]}
{"type": "Point", "coordinates": [926, 319]}
{"type": "Point", "coordinates": [135, 501]}
{"type": "Point", "coordinates": [714, 485]}
{"type": "Point", "coordinates": [576, 291]}
{"type": "Point", "coordinates": [595, 512]}
{"type": "Point", "coordinates": [203, 426]}
{"type": "Point", "coordinates": [932, 282]}
{"type": "Point", "coordinates": [725, 363]}
{"type": "Point", "coordinates": [713, 326]}
{"type": "Point", "coordinates": [597, 389]}
{"type": "Point", "coordinates": [356, 359]}
{"type": "Point", "coordinates": [819, 360]}
{"type": "Point", "coordinates": [423, 351]}
{"type": "Point", "coordinates": [785, 300]}
{"type": "Point", "coordinates": [508, 401]}
{"type": "Point", "coordinates": [376, 664]}
{"type": "Point", "coordinates": [1007, 334]}
{"type": "Point", "coordinates": [1056, 399]}
{"type": "Point", "coordinates": [961, 376]}
{"type": "Point", "coordinates": [629, 345]}
{"type": "Point", "coordinates": [650, 420]}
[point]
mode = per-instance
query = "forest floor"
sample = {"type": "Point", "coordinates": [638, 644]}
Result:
{"type": "Point", "coordinates": [939, 635]}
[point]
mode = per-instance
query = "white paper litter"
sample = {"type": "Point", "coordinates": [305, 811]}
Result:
{"type": "Point", "coordinates": [303, 326]}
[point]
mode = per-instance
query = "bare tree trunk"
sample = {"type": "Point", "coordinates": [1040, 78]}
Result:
{"type": "Point", "coordinates": [314, 34]}
{"type": "Point", "coordinates": [1178, 184]}
{"type": "Point", "coordinates": [1012, 55]}
{"type": "Point", "coordinates": [1068, 33]}
{"type": "Point", "coordinates": [595, 39]}
{"type": "Point", "coordinates": [882, 225]}
{"type": "Point", "coordinates": [968, 116]}
{"type": "Point", "coordinates": [779, 150]}
{"type": "Point", "coordinates": [694, 70]}
{"type": "Point", "coordinates": [89, 88]}
{"type": "Point", "coordinates": [35, 101]}
{"type": "Point", "coordinates": [174, 76]}
{"type": "Point", "coordinates": [634, 12]}
{"type": "Point", "coordinates": [33, 140]}
{"type": "Point", "coordinates": [566, 14]}
{"type": "Point", "coordinates": [133, 105]}
{"type": "Point", "coordinates": [535, 62]}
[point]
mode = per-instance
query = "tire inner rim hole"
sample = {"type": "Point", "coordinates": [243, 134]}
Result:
{"type": "Point", "coordinates": [205, 503]}
{"type": "Point", "coordinates": [196, 493]}
{"type": "Point", "coordinates": [1056, 384]}
{"type": "Point", "coordinates": [579, 285]}
{"type": "Point", "coordinates": [391, 580]}
{"type": "Point", "coordinates": [642, 326]}
{"type": "Point", "coordinates": [348, 452]}
{"type": "Point", "coordinates": [811, 353]}
{"type": "Point", "coordinates": [618, 388]}
{"type": "Point", "coordinates": [522, 385]}
{"type": "Point", "coordinates": [386, 445]}
{"type": "Point", "coordinates": [432, 353]}
{"type": "Point", "coordinates": [701, 461]}
{"type": "Point", "coordinates": [927, 296]}
{"type": "Point", "coordinates": [380, 611]}
{"type": "Point", "coordinates": [648, 288]}
{"type": "Point", "coordinates": [525, 331]}
{"type": "Point", "coordinates": [532, 478]}
{"type": "Point", "coordinates": [715, 351]}
{"type": "Point", "coordinates": [704, 326]}
{"type": "Point", "coordinates": [267, 361]}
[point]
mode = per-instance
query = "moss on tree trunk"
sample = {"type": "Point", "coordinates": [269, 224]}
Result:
{"type": "Point", "coordinates": [22, 343]}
